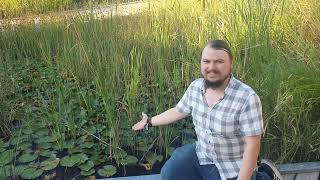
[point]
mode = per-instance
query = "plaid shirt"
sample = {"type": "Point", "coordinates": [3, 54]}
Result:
{"type": "Point", "coordinates": [220, 128]}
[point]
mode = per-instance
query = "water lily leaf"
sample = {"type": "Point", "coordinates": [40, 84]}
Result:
{"type": "Point", "coordinates": [107, 171]}
{"type": "Point", "coordinates": [42, 132]}
{"type": "Point", "coordinates": [87, 166]}
{"type": "Point", "coordinates": [153, 158]}
{"type": "Point", "coordinates": [57, 146]}
{"type": "Point", "coordinates": [17, 140]}
{"type": "Point", "coordinates": [27, 131]}
{"type": "Point", "coordinates": [100, 128]}
{"type": "Point", "coordinates": [74, 150]}
{"type": "Point", "coordinates": [50, 164]}
{"type": "Point", "coordinates": [69, 161]}
{"type": "Point", "coordinates": [142, 146]}
{"type": "Point", "coordinates": [48, 153]}
{"type": "Point", "coordinates": [87, 145]}
{"type": "Point", "coordinates": [97, 159]}
{"type": "Point", "coordinates": [68, 144]}
{"type": "Point", "coordinates": [88, 173]}
{"type": "Point", "coordinates": [19, 169]}
{"type": "Point", "coordinates": [24, 146]}
{"type": "Point", "coordinates": [27, 157]}
{"type": "Point", "coordinates": [83, 158]}
{"type": "Point", "coordinates": [129, 160]}
{"type": "Point", "coordinates": [27, 151]}
{"type": "Point", "coordinates": [46, 139]}
{"type": "Point", "coordinates": [92, 129]}
{"type": "Point", "coordinates": [6, 157]}
{"type": "Point", "coordinates": [2, 144]}
{"type": "Point", "coordinates": [5, 171]}
{"type": "Point", "coordinates": [122, 153]}
{"type": "Point", "coordinates": [31, 173]}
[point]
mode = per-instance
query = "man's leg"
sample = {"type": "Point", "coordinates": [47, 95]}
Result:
{"type": "Point", "coordinates": [183, 164]}
{"type": "Point", "coordinates": [209, 172]}
{"type": "Point", "coordinates": [267, 167]}
{"type": "Point", "coordinates": [257, 176]}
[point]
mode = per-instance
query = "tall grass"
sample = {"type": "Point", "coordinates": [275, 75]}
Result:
{"type": "Point", "coordinates": [145, 62]}
{"type": "Point", "coordinates": [16, 8]}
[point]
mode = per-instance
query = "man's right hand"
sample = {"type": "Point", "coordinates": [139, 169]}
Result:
{"type": "Point", "coordinates": [140, 125]}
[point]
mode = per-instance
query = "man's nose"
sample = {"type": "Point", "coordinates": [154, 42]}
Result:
{"type": "Point", "coordinates": [212, 66]}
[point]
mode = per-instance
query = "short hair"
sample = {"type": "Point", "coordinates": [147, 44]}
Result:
{"type": "Point", "coordinates": [220, 45]}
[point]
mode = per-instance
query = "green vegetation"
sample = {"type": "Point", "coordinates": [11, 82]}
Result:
{"type": "Point", "coordinates": [71, 91]}
{"type": "Point", "coordinates": [15, 8]}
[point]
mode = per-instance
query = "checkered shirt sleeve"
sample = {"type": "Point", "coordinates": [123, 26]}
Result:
{"type": "Point", "coordinates": [185, 105]}
{"type": "Point", "coordinates": [251, 121]}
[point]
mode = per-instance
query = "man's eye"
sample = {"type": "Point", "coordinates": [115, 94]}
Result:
{"type": "Point", "coordinates": [220, 61]}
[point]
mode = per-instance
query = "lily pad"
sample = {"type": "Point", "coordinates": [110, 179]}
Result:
{"type": "Point", "coordinates": [87, 145]}
{"type": "Point", "coordinates": [68, 144]}
{"type": "Point", "coordinates": [27, 158]}
{"type": "Point", "coordinates": [87, 166]}
{"type": "Point", "coordinates": [27, 131]}
{"type": "Point", "coordinates": [6, 157]}
{"type": "Point", "coordinates": [19, 169]}
{"type": "Point", "coordinates": [45, 145]}
{"type": "Point", "coordinates": [42, 132]}
{"type": "Point", "coordinates": [97, 159]}
{"type": "Point", "coordinates": [31, 173]}
{"type": "Point", "coordinates": [69, 161]}
{"type": "Point", "coordinates": [107, 171]}
{"type": "Point", "coordinates": [88, 173]}
{"type": "Point", "coordinates": [142, 146]}
{"type": "Point", "coordinates": [24, 146]}
{"type": "Point", "coordinates": [74, 150]}
{"type": "Point", "coordinates": [48, 153]}
{"type": "Point", "coordinates": [83, 158]}
{"type": "Point", "coordinates": [2, 144]}
{"type": "Point", "coordinates": [17, 140]}
{"type": "Point", "coordinates": [50, 164]}
{"type": "Point", "coordinates": [129, 160]}
{"type": "Point", "coordinates": [46, 139]}
{"type": "Point", "coordinates": [122, 153]}
{"type": "Point", "coordinates": [153, 158]}
{"type": "Point", "coordinates": [5, 171]}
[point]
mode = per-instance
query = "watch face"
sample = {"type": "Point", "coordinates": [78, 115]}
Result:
{"type": "Point", "coordinates": [146, 127]}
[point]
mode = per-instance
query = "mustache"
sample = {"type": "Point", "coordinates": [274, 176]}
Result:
{"type": "Point", "coordinates": [214, 71]}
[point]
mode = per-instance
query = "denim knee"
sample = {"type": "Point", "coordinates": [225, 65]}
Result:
{"type": "Point", "coordinates": [167, 172]}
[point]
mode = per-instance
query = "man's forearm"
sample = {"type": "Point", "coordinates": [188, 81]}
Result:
{"type": "Point", "coordinates": [167, 117]}
{"type": "Point", "coordinates": [250, 157]}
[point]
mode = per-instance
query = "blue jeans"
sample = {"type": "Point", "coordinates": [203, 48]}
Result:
{"type": "Point", "coordinates": [184, 165]}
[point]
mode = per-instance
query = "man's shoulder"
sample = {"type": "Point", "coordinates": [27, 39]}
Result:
{"type": "Point", "coordinates": [197, 82]}
{"type": "Point", "coordinates": [240, 86]}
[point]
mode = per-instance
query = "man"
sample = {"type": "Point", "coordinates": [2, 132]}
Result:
{"type": "Point", "coordinates": [227, 116]}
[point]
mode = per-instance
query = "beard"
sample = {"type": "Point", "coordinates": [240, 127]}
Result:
{"type": "Point", "coordinates": [214, 84]}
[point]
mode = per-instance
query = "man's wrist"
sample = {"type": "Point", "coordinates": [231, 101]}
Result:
{"type": "Point", "coordinates": [148, 124]}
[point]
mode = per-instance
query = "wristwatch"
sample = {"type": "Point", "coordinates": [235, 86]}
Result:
{"type": "Point", "coordinates": [148, 124]}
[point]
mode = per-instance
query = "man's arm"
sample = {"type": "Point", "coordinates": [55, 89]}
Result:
{"type": "Point", "coordinates": [250, 156]}
{"type": "Point", "coordinates": [164, 118]}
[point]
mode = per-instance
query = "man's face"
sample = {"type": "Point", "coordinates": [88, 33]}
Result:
{"type": "Point", "coordinates": [216, 66]}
